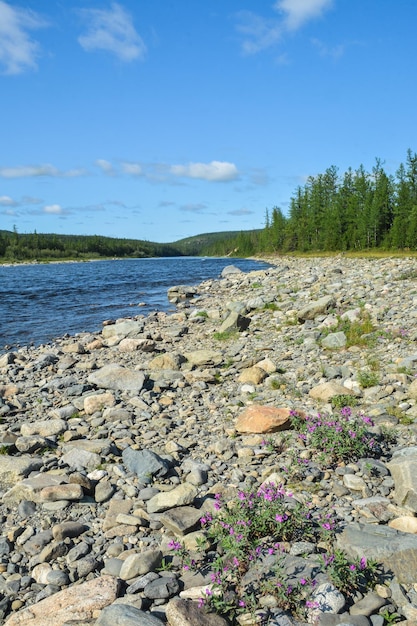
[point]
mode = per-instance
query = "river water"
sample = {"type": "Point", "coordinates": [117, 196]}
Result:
{"type": "Point", "coordinates": [41, 302]}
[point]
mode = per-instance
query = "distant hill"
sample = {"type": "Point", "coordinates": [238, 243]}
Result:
{"type": "Point", "coordinates": [201, 245]}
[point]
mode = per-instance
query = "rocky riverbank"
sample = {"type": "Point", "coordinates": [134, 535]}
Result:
{"type": "Point", "coordinates": [115, 445]}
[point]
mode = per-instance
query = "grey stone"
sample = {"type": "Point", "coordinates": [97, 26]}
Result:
{"type": "Point", "coordinates": [181, 520]}
{"type": "Point", "coordinates": [318, 307]}
{"type": "Point", "coordinates": [403, 467]}
{"type": "Point", "coordinates": [118, 378]}
{"type": "Point", "coordinates": [234, 321]}
{"type": "Point", "coordinates": [396, 550]}
{"type": "Point", "coordinates": [162, 587]}
{"type": "Point", "coordinates": [129, 328]}
{"type": "Point", "coordinates": [58, 578]}
{"type": "Point", "coordinates": [334, 341]}
{"type": "Point", "coordinates": [230, 270]}
{"type": "Point", "coordinates": [125, 615]}
{"type": "Point", "coordinates": [369, 604]}
{"type": "Point", "coordinates": [144, 463]}
{"type": "Point", "coordinates": [187, 613]}
{"type": "Point", "coordinates": [179, 496]}
{"type": "Point", "coordinates": [12, 469]}
{"type": "Point", "coordinates": [140, 563]}
{"type": "Point", "coordinates": [80, 459]}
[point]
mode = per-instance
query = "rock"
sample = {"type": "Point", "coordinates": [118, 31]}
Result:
{"type": "Point", "coordinates": [328, 600]}
{"type": "Point", "coordinates": [12, 469]}
{"type": "Point", "coordinates": [334, 341]}
{"type": "Point", "coordinates": [252, 375]}
{"type": "Point", "coordinates": [79, 602]}
{"type": "Point", "coordinates": [180, 496]}
{"type": "Point", "coordinates": [229, 270]}
{"type": "Point", "coordinates": [403, 467]}
{"type": "Point", "coordinates": [144, 463]}
{"type": "Point", "coordinates": [187, 613]}
{"type": "Point", "coordinates": [263, 419]}
{"type": "Point", "coordinates": [131, 345]}
{"type": "Point", "coordinates": [396, 550]}
{"type": "Point", "coordinates": [79, 459]}
{"type": "Point", "coordinates": [405, 523]}
{"type": "Point", "coordinates": [98, 402]}
{"type": "Point", "coordinates": [68, 529]}
{"type": "Point", "coordinates": [44, 428]}
{"type": "Point", "coordinates": [125, 615]}
{"type": "Point", "coordinates": [327, 391]}
{"type": "Point", "coordinates": [181, 520]}
{"type": "Point", "coordinates": [117, 378]}
{"type": "Point", "coordinates": [234, 322]}
{"type": "Point", "coordinates": [412, 390]}
{"type": "Point", "coordinates": [162, 588]}
{"type": "Point", "coordinates": [181, 292]}
{"type": "Point", "coordinates": [140, 564]}
{"type": "Point", "coordinates": [127, 328]}
{"type": "Point", "coordinates": [318, 307]}
{"type": "Point", "coordinates": [204, 357]}
{"type": "Point", "coordinates": [368, 605]}
{"type": "Point", "coordinates": [167, 361]}
{"type": "Point", "coordinates": [61, 492]}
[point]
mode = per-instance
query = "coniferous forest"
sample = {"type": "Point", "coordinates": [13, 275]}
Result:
{"type": "Point", "coordinates": [353, 211]}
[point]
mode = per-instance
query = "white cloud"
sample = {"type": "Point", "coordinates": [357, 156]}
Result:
{"type": "Point", "coordinates": [216, 171]}
{"type": "Point", "coordinates": [18, 52]}
{"type": "Point", "coordinates": [260, 32]}
{"type": "Point", "coordinates": [298, 12]}
{"type": "Point", "coordinates": [240, 212]}
{"type": "Point", "coordinates": [7, 201]}
{"type": "Point", "coordinates": [106, 167]}
{"type": "Point", "coordinates": [53, 209]}
{"type": "Point", "coordinates": [134, 169]}
{"type": "Point", "coordinates": [112, 30]}
{"type": "Point", "coordinates": [193, 208]}
{"type": "Point", "coordinates": [335, 53]}
{"type": "Point", "coordinates": [30, 171]}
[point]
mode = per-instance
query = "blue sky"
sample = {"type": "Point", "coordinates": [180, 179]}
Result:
{"type": "Point", "coordinates": [162, 119]}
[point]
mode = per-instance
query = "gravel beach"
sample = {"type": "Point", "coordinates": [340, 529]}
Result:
{"type": "Point", "coordinates": [115, 444]}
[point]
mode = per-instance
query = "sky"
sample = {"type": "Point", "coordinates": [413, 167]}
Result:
{"type": "Point", "coordinates": [163, 119]}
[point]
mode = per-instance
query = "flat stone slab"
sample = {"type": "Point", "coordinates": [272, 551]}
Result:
{"type": "Point", "coordinates": [118, 378]}
{"type": "Point", "coordinates": [13, 468]}
{"type": "Point", "coordinates": [30, 488]}
{"type": "Point", "coordinates": [76, 602]}
{"type": "Point", "coordinates": [396, 550]}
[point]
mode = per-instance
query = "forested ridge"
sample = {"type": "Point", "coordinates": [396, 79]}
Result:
{"type": "Point", "coordinates": [15, 246]}
{"type": "Point", "coordinates": [355, 211]}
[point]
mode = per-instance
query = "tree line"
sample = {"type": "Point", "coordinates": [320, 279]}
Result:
{"type": "Point", "coordinates": [46, 247]}
{"type": "Point", "coordinates": [357, 210]}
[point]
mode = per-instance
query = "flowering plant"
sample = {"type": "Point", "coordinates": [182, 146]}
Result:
{"type": "Point", "coordinates": [249, 537]}
{"type": "Point", "coordinates": [337, 438]}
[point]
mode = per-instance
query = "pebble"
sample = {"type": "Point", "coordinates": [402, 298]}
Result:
{"type": "Point", "coordinates": [117, 442]}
